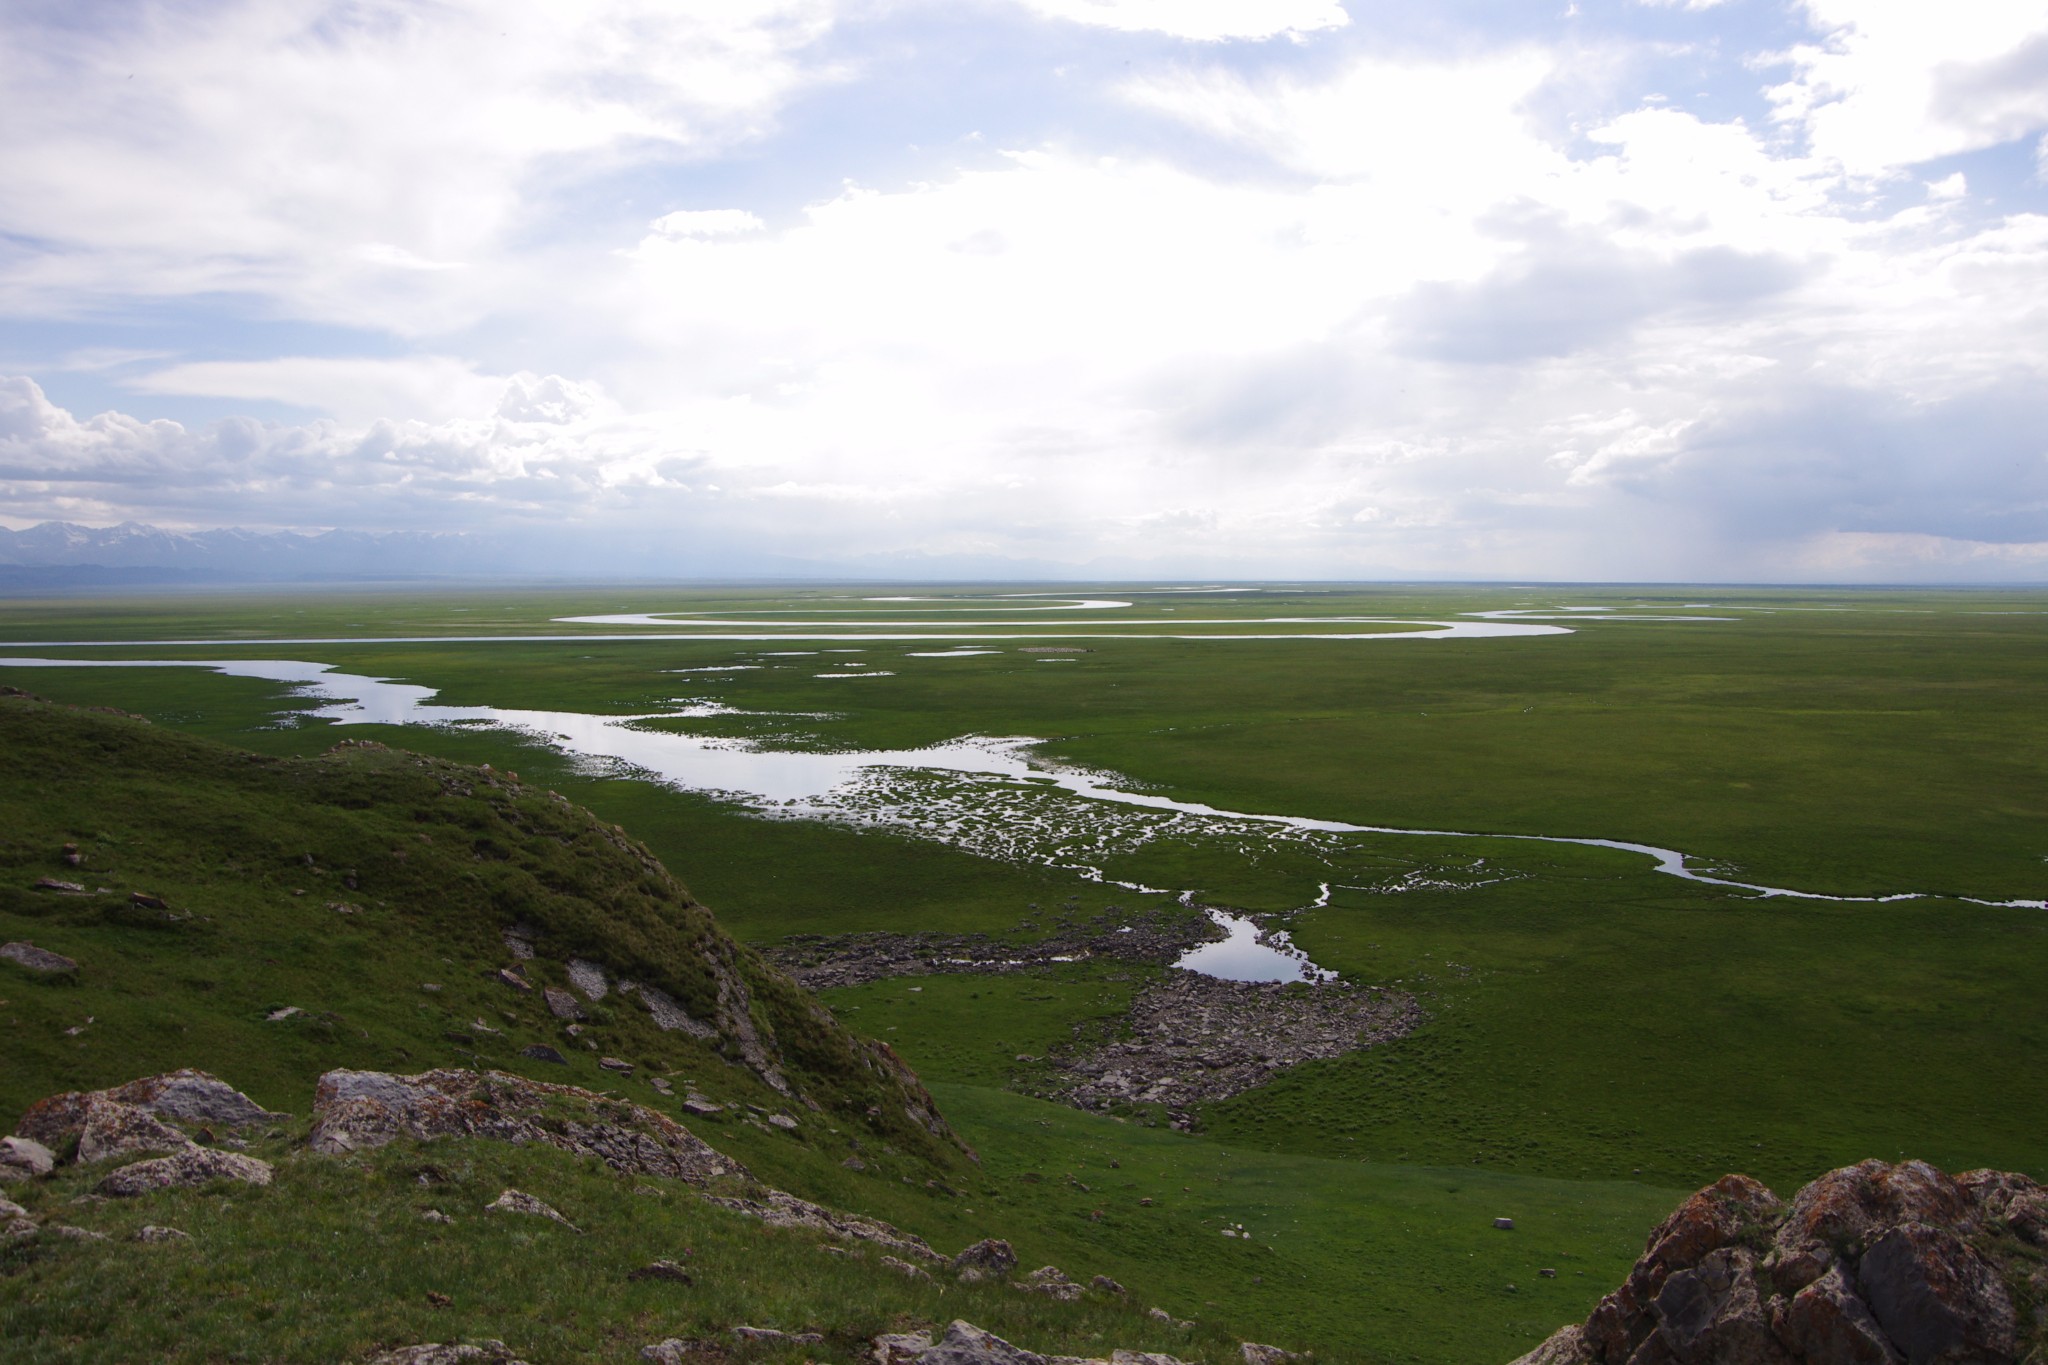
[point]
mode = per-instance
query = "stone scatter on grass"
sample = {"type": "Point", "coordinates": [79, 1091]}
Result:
{"type": "Point", "coordinates": [358, 1109]}
{"type": "Point", "coordinates": [23, 1158]}
{"type": "Point", "coordinates": [821, 961]}
{"type": "Point", "coordinates": [963, 1343]}
{"type": "Point", "coordinates": [1191, 1039]}
{"type": "Point", "coordinates": [777, 1208]}
{"type": "Point", "coordinates": [1258, 1353]}
{"type": "Point", "coordinates": [991, 1258]}
{"type": "Point", "coordinates": [905, 1268]}
{"type": "Point", "coordinates": [753, 1335]}
{"type": "Point", "coordinates": [37, 959]}
{"type": "Point", "coordinates": [518, 1201]}
{"type": "Point", "coordinates": [1052, 1282]}
{"type": "Point", "coordinates": [485, 1352]}
{"type": "Point", "coordinates": [663, 1269]}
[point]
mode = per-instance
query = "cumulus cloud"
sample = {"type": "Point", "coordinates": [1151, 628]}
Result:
{"type": "Point", "coordinates": [1342, 313]}
{"type": "Point", "coordinates": [332, 153]}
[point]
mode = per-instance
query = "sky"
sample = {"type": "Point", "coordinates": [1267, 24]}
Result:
{"type": "Point", "coordinates": [1709, 290]}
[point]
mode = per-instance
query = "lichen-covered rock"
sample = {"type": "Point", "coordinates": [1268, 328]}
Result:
{"type": "Point", "coordinates": [989, 1259]}
{"type": "Point", "coordinates": [1711, 1219]}
{"type": "Point", "coordinates": [1841, 1212]}
{"type": "Point", "coordinates": [184, 1096]}
{"type": "Point", "coordinates": [965, 1344]}
{"type": "Point", "coordinates": [1872, 1264]}
{"type": "Point", "coordinates": [193, 1166]}
{"type": "Point", "coordinates": [353, 1110]}
{"type": "Point", "coordinates": [1710, 1312]}
{"type": "Point", "coordinates": [149, 1232]}
{"type": "Point", "coordinates": [110, 1130]}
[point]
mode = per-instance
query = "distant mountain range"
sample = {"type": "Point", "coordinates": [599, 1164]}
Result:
{"type": "Point", "coordinates": [61, 553]}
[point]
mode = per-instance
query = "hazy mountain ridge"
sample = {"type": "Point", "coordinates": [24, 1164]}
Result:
{"type": "Point", "coordinates": [229, 553]}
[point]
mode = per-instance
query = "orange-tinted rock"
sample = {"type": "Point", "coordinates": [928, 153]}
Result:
{"type": "Point", "coordinates": [1937, 1299]}
{"type": "Point", "coordinates": [1842, 1211]}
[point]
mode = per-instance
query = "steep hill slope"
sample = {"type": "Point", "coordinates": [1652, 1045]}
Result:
{"type": "Point", "coordinates": [274, 919]}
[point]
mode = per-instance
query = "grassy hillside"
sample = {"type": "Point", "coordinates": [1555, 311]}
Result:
{"type": "Point", "coordinates": [368, 892]}
{"type": "Point", "coordinates": [387, 943]}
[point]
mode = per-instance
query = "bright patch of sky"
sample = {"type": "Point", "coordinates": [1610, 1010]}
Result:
{"type": "Point", "coordinates": [1610, 289]}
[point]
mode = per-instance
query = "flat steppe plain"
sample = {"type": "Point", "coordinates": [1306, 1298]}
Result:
{"type": "Point", "coordinates": [1599, 1037]}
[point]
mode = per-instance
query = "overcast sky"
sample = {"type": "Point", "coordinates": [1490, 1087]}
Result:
{"type": "Point", "coordinates": [1747, 289]}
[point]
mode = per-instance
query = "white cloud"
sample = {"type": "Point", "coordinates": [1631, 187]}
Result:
{"type": "Point", "coordinates": [332, 154]}
{"type": "Point", "coordinates": [1951, 186]}
{"type": "Point", "coordinates": [1201, 20]}
{"type": "Point", "coordinates": [1360, 315]}
{"type": "Point", "coordinates": [1896, 82]}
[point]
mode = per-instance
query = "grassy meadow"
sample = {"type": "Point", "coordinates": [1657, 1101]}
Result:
{"type": "Point", "coordinates": [1599, 1039]}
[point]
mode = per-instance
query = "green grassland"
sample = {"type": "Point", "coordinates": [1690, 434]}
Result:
{"type": "Point", "coordinates": [1598, 1036]}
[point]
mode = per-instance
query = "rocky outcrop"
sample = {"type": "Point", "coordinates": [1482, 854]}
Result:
{"type": "Point", "coordinates": [358, 1109]}
{"type": "Point", "coordinates": [1873, 1264]}
{"type": "Point", "coordinates": [128, 1118]}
